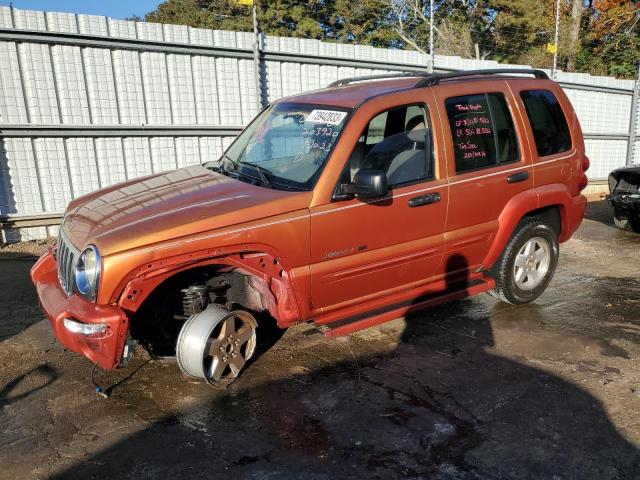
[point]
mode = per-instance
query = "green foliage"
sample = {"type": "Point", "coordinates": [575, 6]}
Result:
{"type": "Point", "coordinates": [514, 31]}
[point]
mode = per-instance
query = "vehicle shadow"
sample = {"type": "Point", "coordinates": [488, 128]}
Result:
{"type": "Point", "coordinates": [600, 211]}
{"type": "Point", "coordinates": [17, 294]}
{"type": "Point", "coordinates": [435, 400]}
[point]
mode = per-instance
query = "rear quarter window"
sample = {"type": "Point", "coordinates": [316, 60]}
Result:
{"type": "Point", "coordinates": [549, 125]}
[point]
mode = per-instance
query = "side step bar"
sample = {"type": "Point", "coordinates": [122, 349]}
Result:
{"type": "Point", "coordinates": [391, 312]}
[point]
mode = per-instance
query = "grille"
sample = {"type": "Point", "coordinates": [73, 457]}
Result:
{"type": "Point", "coordinates": [66, 256]}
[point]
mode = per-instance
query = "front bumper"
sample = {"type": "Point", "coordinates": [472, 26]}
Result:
{"type": "Point", "coordinates": [625, 201]}
{"type": "Point", "coordinates": [105, 348]}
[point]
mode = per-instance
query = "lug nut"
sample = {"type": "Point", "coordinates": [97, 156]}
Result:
{"type": "Point", "coordinates": [222, 348]}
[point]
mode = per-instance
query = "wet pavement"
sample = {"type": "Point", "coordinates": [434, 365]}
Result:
{"type": "Point", "coordinates": [470, 390]}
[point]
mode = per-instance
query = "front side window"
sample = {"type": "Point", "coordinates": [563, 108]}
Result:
{"type": "Point", "coordinates": [548, 122]}
{"type": "Point", "coordinates": [398, 142]}
{"type": "Point", "coordinates": [482, 130]}
{"type": "Point", "coordinates": [285, 147]}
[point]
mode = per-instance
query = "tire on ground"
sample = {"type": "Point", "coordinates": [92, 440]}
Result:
{"type": "Point", "coordinates": [503, 271]}
{"type": "Point", "coordinates": [624, 222]}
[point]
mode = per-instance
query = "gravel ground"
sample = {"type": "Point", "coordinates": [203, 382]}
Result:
{"type": "Point", "coordinates": [470, 390]}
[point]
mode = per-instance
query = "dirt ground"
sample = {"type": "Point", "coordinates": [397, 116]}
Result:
{"type": "Point", "coordinates": [471, 390]}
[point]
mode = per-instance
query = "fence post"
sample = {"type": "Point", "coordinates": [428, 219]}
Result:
{"type": "Point", "coordinates": [431, 52]}
{"type": "Point", "coordinates": [257, 56]}
{"type": "Point", "coordinates": [555, 41]}
{"type": "Point", "coordinates": [632, 121]}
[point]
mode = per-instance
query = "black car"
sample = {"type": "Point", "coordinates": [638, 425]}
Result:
{"type": "Point", "coordinates": [624, 185]}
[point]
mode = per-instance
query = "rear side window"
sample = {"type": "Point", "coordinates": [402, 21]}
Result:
{"type": "Point", "coordinates": [548, 122]}
{"type": "Point", "coordinates": [482, 130]}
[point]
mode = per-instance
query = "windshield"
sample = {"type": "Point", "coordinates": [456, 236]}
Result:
{"type": "Point", "coordinates": [286, 146]}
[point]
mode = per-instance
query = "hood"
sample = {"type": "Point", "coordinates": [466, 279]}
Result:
{"type": "Point", "coordinates": [171, 205]}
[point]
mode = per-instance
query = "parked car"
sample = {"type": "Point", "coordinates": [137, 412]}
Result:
{"type": "Point", "coordinates": [624, 197]}
{"type": "Point", "coordinates": [343, 208]}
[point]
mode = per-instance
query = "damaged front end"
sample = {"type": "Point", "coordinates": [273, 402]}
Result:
{"type": "Point", "coordinates": [624, 197]}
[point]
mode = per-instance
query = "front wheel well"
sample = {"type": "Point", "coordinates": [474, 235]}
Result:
{"type": "Point", "coordinates": [157, 322]}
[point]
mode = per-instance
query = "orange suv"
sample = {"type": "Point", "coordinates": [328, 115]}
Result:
{"type": "Point", "coordinates": [343, 208]}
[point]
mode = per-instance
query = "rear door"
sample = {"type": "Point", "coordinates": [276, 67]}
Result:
{"type": "Point", "coordinates": [488, 164]}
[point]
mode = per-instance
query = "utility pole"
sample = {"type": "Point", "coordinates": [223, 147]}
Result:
{"type": "Point", "coordinates": [635, 103]}
{"type": "Point", "coordinates": [432, 56]}
{"type": "Point", "coordinates": [555, 41]}
{"type": "Point", "coordinates": [256, 55]}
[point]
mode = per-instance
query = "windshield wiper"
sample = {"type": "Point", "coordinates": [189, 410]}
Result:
{"type": "Point", "coordinates": [263, 172]}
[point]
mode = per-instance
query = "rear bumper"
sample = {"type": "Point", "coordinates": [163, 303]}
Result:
{"type": "Point", "coordinates": [575, 214]}
{"type": "Point", "coordinates": [106, 348]}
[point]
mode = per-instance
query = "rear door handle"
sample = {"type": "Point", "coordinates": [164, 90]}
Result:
{"type": "Point", "coordinates": [424, 200]}
{"type": "Point", "coordinates": [518, 177]}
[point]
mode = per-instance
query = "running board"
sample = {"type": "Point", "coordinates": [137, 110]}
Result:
{"type": "Point", "coordinates": [400, 309]}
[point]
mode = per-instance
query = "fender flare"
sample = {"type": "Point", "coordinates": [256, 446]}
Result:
{"type": "Point", "coordinates": [270, 276]}
{"type": "Point", "coordinates": [556, 194]}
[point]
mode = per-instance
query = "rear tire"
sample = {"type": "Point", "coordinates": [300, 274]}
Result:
{"type": "Point", "coordinates": [629, 223]}
{"type": "Point", "coordinates": [527, 263]}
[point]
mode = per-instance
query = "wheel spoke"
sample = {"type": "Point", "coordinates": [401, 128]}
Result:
{"type": "Point", "coordinates": [214, 346]}
{"type": "Point", "coordinates": [533, 277]}
{"type": "Point", "coordinates": [540, 255]}
{"type": "Point", "coordinates": [217, 367]}
{"type": "Point", "coordinates": [236, 364]}
{"type": "Point", "coordinates": [228, 327]}
{"type": "Point", "coordinates": [520, 275]}
{"type": "Point", "coordinates": [521, 260]}
{"type": "Point", "coordinates": [244, 334]}
{"type": "Point", "coordinates": [529, 247]}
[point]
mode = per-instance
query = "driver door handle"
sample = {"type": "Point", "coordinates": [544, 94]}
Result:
{"type": "Point", "coordinates": [424, 200]}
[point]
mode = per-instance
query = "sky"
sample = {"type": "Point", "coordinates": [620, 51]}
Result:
{"type": "Point", "coordinates": [111, 8]}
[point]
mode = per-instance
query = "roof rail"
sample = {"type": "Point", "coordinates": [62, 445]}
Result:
{"type": "Point", "coordinates": [347, 81]}
{"type": "Point", "coordinates": [431, 79]}
{"type": "Point", "coordinates": [435, 78]}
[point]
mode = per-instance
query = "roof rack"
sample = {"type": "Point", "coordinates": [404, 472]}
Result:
{"type": "Point", "coordinates": [435, 78]}
{"type": "Point", "coordinates": [431, 79]}
{"type": "Point", "coordinates": [347, 81]}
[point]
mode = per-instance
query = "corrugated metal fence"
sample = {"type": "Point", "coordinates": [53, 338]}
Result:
{"type": "Point", "coordinates": [88, 101]}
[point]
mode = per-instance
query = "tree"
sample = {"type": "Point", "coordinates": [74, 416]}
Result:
{"type": "Point", "coordinates": [598, 36]}
{"type": "Point", "coordinates": [613, 39]}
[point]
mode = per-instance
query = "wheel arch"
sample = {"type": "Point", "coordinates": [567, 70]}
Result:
{"type": "Point", "coordinates": [553, 203]}
{"type": "Point", "coordinates": [268, 273]}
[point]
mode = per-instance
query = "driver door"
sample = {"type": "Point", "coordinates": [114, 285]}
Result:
{"type": "Point", "coordinates": [361, 249]}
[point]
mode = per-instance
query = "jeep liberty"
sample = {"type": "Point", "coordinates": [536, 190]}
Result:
{"type": "Point", "coordinates": [344, 208]}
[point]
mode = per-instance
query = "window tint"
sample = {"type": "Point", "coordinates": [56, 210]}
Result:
{"type": "Point", "coordinates": [548, 123]}
{"type": "Point", "coordinates": [398, 142]}
{"type": "Point", "coordinates": [482, 130]}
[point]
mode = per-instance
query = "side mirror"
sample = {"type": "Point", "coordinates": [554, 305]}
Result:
{"type": "Point", "coordinates": [369, 184]}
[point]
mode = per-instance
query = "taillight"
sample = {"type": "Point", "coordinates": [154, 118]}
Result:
{"type": "Point", "coordinates": [586, 163]}
{"type": "Point", "coordinates": [583, 183]}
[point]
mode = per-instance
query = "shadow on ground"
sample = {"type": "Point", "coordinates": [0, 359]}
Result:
{"type": "Point", "coordinates": [427, 398]}
{"type": "Point", "coordinates": [17, 295]}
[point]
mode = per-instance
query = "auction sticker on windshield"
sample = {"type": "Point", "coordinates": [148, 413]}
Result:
{"type": "Point", "coordinates": [327, 117]}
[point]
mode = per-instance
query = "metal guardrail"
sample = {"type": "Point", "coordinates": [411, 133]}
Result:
{"type": "Point", "coordinates": [66, 131]}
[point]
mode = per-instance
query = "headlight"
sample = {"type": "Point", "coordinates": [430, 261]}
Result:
{"type": "Point", "coordinates": [88, 272]}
